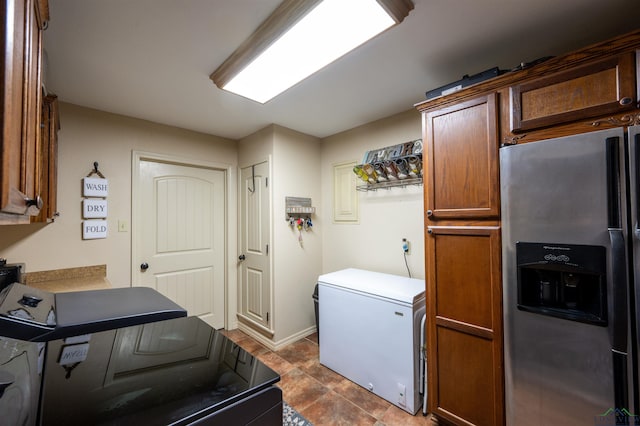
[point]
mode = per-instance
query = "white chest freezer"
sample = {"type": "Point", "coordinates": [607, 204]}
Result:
{"type": "Point", "coordinates": [369, 326]}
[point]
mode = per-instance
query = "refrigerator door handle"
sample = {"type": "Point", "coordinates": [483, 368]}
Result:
{"type": "Point", "coordinates": [619, 321]}
{"type": "Point", "coordinates": [618, 256]}
{"type": "Point", "coordinates": [619, 291]}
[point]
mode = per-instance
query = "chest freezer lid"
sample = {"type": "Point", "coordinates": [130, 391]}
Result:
{"type": "Point", "coordinates": [395, 287]}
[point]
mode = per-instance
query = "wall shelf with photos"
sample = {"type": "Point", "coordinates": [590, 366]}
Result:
{"type": "Point", "coordinates": [393, 166]}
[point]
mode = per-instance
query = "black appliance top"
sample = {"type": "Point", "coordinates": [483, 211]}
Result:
{"type": "Point", "coordinates": [27, 313]}
{"type": "Point", "coordinates": [161, 373]}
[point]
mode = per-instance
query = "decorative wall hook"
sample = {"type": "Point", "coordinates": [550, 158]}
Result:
{"type": "Point", "coordinates": [95, 171]}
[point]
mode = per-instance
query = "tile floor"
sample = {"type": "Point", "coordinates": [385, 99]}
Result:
{"type": "Point", "coordinates": [321, 395]}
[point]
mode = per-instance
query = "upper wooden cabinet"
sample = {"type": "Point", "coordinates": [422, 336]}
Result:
{"type": "Point", "coordinates": [461, 175]}
{"type": "Point", "coordinates": [21, 95]}
{"type": "Point", "coordinates": [598, 88]}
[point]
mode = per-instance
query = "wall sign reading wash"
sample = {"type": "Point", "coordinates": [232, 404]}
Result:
{"type": "Point", "coordinates": [95, 187]}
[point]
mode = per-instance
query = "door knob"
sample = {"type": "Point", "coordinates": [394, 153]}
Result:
{"type": "Point", "coordinates": [144, 266]}
{"type": "Point", "coordinates": [242, 257]}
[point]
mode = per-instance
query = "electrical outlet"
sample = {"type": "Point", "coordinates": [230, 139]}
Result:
{"type": "Point", "coordinates": [405, 245]}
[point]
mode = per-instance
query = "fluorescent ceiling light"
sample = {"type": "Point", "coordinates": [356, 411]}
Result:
{"type": "Point", "coordinates": [300, 38]}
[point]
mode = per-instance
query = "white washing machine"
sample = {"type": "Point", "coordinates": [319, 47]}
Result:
{"type": "Point", "coordinates": [369, 328]}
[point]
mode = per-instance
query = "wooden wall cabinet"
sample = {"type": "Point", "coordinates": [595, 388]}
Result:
{"type": "Point", "coordinates": [22, 24]}
{"type": "Point", "coordinates": [462, 160]}
{"type": "Point", "coordinates": [598, 88]}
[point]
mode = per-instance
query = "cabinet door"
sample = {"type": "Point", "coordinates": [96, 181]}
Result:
{"type": "Point", "coordinates": [48, 158]}
{"type": "Point", "coordinates": [21, 99]}
{"type": "Point", "coordinates": [464, 325]}
{"type": "Point", "coordinates": [461, 176]}
{"type": "Point", "coordinates": [595, 89]}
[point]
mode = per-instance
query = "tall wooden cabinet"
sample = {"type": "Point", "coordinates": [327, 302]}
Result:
{"type": "Point", "coordinates": [21, 27]}
{"type": "Point", "coordinates": [464, 334]}
{"type": "Point", "coordinates": [587, 90]}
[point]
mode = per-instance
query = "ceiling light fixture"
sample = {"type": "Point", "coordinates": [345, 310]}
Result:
{"type": "Point", "coordinates": [299, 38]}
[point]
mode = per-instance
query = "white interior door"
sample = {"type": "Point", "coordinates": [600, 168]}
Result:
{"type": "Point", "coordinates": [255, 269]}
{"type": "Point", "coordinates": [180, 235]}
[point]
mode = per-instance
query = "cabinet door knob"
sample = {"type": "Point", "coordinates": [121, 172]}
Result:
{"type": "Point", "coordinates": [242, 257]}
{"type": "Point", "coordinates": [429, 213]}
{"type": "Point", "coordinates": [626, 101]}
{"type": "Point", "coordinates": [37, 202]}
{"type": "Point", "coordinates": [144, 266]}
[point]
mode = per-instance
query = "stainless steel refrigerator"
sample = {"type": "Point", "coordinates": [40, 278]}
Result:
{"type": "Point", "coordinates": [571, 258]}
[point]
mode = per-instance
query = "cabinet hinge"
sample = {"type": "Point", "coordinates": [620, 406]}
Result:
{"type": "Point", "coordinates": [266, 182]}
{"type": "Point", "coordinates": [267, 316]}
{"type": "Point", "coordinates": [267, 249]}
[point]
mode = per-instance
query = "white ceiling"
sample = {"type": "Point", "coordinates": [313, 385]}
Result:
{"type": "Point", "coordinates": [151, 59]}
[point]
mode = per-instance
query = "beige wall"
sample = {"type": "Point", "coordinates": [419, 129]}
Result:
{"type": "Point", "coordinates": [86, 136]}
{"type": "Point", "coordinates": [295, 172]}
{"type": "Point", "coordinates": [386, 216]}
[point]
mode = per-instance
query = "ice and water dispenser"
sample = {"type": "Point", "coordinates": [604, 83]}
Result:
{"type": "Point", "coordinates": [563, 280]}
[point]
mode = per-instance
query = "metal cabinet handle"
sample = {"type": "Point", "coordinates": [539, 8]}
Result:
{"type": "Point", "coordinates": [34, 202]}
{"type": "Point", "coordinates": [429, 213]}
{"type": "Point", "coordinates": [242, 257]}
{"type": "Point", "coordinates": [144, 266]}
{"type": "Point", "coordinates": [626, 101]}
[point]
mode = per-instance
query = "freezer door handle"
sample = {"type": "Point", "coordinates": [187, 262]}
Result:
{"type": "Point", "coordinates": [619, 291]}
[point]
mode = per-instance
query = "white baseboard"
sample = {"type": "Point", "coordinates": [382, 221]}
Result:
{"type": "Point", "coordinates": [270, 344]}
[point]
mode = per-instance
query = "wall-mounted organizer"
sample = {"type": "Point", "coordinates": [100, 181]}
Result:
{"type": "Point", "coordinates": [395, 165]}
{"type": "Point", "coordinates": [299, 207]}
{"type": "Point", "coordinates": [298, 211]}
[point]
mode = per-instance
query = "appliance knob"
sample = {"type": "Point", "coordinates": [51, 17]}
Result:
{"type": "Point", "coordinates": [30, 300]}
{"type": "Point", "coordinates": [144, 266]}
{"type": "Point", "coordinates": [625, 101]}
{"type": "Point", "coordinates": [242, 257]}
